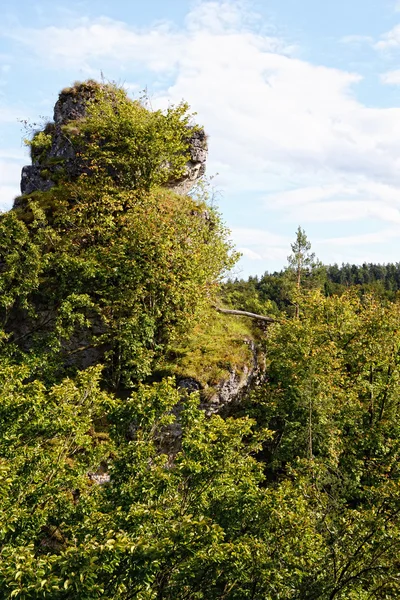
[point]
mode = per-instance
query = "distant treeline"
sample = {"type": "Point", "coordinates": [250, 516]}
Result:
{"type": "Point", "coordinates": [273, 291]}
{"type": "Point", "coordinates": [388, 275]}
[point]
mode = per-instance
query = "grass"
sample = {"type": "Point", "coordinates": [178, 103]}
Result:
{"type": "Point", "coordinates": [215, 348]}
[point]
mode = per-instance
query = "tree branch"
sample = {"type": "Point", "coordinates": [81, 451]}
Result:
{"type": "Point", "coordinates": [243, 313]}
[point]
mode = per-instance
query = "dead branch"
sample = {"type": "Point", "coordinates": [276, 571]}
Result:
{"type": "Point", "coordinates": [244, 313]}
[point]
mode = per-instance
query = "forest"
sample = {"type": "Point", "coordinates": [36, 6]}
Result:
{"type": "Point", "coordinates": [153, 447]}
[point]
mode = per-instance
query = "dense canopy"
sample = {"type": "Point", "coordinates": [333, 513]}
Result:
{"type": "Point", "coordinates": [116, 479]}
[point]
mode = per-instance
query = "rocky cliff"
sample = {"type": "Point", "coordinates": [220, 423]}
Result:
{"type": "Point", "coordinates": [223, 371]}
{"type": "Point", "coordinates": [60, 152]}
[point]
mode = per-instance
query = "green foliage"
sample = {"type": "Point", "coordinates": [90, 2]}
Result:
{"type": "Point", "coordinates": [109, 267]}
{"type": "Point", "coordinates": [332, 399]}
{"type": "Point", "coordinates": [383, 280]}
{"type": "Point", "coordinates": [277, 288]}
{"type": "Point", "coordinates": [213, 349]}
{"type": "Point", "coordinates": [122, 142]}
{"type": "Point", "coordinates": [200, 525]}
{"type": "Point", "coordinates": [302, 265]}
{"type": "Point", "coordinates": [39, 145]}
{"type": "Point", "coordinates": [301, 257]}
{"type": "Point", "coordinates": [279, 291]}
{"type": "Point", "coordinates": [50, 442]}
{"type": "Point", "coordinates": [130, 274]}
{"type": "Point", "coordinates": [139, 495]}
{"type": "Point", "coordinates": [248, 296]}
{"type": "Point", "coordinates": [20, 261]}
{"type": "Point", "coordinates": [187, 511]}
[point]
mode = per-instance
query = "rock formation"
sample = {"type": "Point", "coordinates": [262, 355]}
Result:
{"type": "Point", "coordinates": [71, 106]}
{"type": "Point", "coordinates": [58, 154]}
{"type": "Point", "coordinates": [231, 389]}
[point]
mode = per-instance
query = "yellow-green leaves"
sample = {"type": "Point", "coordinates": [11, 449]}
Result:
{"type": "Point", "coordinates": [125, 143]}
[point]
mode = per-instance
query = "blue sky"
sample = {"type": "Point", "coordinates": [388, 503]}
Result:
{"type": "Point", "coordinates": [301, 101]}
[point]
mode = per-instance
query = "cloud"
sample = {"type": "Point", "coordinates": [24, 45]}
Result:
{"type": "Point", "coordinates": [391, 77]}
{"type": "Point", "coordinates": [250, 235]}
{"type": "Point", "coordinates": [159, 48]}
{"type": "Point", "coordinates": [19, 154]}
{"type": "Point", "coordinates": [259, 244]}
{"type": "Point", "coordinates": [9, 115]}
{"type": "Point", "coordinates": [302, 196]}
{"type": "Point", "coordinates": [10, 175]}
{"type": "Point", "coordinates": [103, 39]}
{"type": "Point", "coordinates": [340, 211]}
{"type": "Point", "coordinates": [366, 239]}
{"type": "Point", "coordinates": [266, 111]}
{"type": "Point", "coordinates": [288, 133]}
{"type": "Point", "coordinates": [248, 253]}
{"type": "Point", "coordinates": [273, 249]}
{"type": "Point", "coordinates": [389, 40]}
{"type": "Point", "coordinates": [7, 194]}
{"type": "Point", "coordinates": [356, 39]}
{"type": "Point", "coordinates": [355, 201]}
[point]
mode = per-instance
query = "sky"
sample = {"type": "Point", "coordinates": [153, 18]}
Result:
{"type": "Point", "coordinates": [300, 99]}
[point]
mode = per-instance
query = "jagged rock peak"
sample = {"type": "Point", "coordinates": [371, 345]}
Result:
{"type": "Point", "coordinates": [73, 101]}
{"type": "Point", "coordinates": [71, 106]}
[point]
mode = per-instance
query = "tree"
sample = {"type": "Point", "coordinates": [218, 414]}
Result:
{"type": "Point", "coordinates": [333, 378]}
{"type": "Point", "coordinates": [194, 523]}
{"type": "Point", "coordinates": [302, 263]}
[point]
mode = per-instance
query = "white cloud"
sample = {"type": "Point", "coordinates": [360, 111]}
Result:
{"type": "Point", "coordinates": [365, 239]}
{"type": "Point", "coordinates": [389, 40]}
{"type": "Point", "coordinates": [14, 153]}
{"type": "Point", "coordinates": [248, 253]}
{"type": "Point", "coordinates": [10, 175]}
{"type": "Point", "coordinates": [160, 48]}
{"type": "Point", "coordinates": [9, 171]}
{"type": "Point", "coordinates": [349, 210]}
{"type": "Point", "coordinates": [250, 235]}
{"type": "Point", "coordinates": [356, 39]}
{"type": "Point", "coordinates": [279, 126]}
{"type": "Point", "coordinates": [391, 77]}
{"type": "Point", "coordinates": [266, 112]}
{"type": "Point", "coordinates": [302, 196]}
{"type": "Point", "coordinates": [357, 200]}
{"type": "Point", "coordinates": [7, 195]}
{"type": "Point", "coordinates": [102, 40]}
{"type": "Point", "coordinates": [259, 244]}
{"type": "Point", "coordinates": [273, 249]}
{"type": "Point", "coordinates": [9, 114]}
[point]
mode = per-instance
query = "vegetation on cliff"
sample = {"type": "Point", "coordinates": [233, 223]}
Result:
{"type": "Point", "coordinates": [118, 266]}
{"type": "Point", "coordinates": [114, 483]}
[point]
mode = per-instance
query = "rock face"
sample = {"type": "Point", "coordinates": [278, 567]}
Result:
{"type": "Point", "coordinates": [196, 167]}
{"type": "Point", "coordinates": [230, 390]}
{"type": "Point", "coordinates": [71, 106]}
{"type": "Point", "coordinates": [31, 181]}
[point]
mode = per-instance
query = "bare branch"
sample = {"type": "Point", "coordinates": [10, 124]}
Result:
{"type": "Point", "coordinates": [244, 313]}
